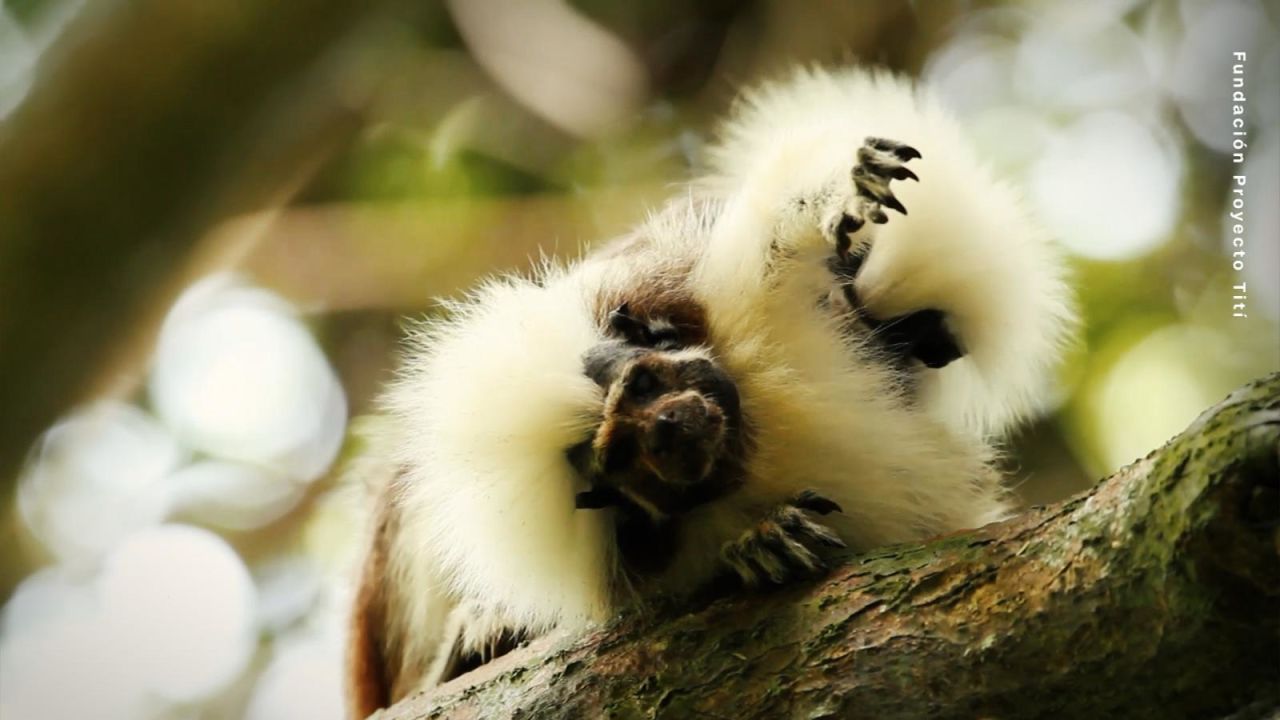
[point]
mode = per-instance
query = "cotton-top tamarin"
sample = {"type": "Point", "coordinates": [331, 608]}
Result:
{"type": "Point", "coordinates": [780, 360]}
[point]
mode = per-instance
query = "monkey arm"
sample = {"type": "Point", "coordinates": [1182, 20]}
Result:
{"type": "Point", "coordinates": [791, 218]}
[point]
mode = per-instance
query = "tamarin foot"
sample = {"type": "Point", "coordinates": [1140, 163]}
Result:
{"type": "Point", "coordinates": [781, 546]}
{"type": "Point", "coordinates": [880, 161]}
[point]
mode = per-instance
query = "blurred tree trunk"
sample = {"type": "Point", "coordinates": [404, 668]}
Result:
{"type": "Point", "coordinates": [147, 121]}
{"type": "Point", "coordinates": [140, 129]}
{"type": "Point", "coordinates": [1155, 595]}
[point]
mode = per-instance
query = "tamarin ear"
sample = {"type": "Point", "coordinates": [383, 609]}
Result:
{"type": "Point", "coordinates": [656, 333]}
{"type": "Point", "coordinates": [628, 326]}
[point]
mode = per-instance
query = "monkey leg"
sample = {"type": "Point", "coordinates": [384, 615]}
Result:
{"type": "Point", "coordinates": [921, 335]}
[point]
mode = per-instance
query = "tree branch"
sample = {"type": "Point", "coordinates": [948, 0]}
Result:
{"type": "Point", "coordinates": [1153, 595]}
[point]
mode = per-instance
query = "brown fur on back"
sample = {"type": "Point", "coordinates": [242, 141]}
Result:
{"type": "Point", "coordinates": [370, 673]}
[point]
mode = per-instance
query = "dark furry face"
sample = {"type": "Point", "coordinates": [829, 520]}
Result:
{"type": "Point", "coordinates": [670, 436]}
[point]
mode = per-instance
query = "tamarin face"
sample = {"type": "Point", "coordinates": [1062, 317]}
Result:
{"type": "Point", "coordinates": [671, 433]}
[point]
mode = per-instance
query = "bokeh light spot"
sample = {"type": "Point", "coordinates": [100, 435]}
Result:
{"type": "Point", "coordinates": [1108, 186]}
{"type": "Point", "coordinates": [237, 376]}
{"type": "Point", "coordinates": [184, 605]}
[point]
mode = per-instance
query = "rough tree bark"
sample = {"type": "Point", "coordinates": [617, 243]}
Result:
{"type": "Point", "coordinates": [1153, 595]}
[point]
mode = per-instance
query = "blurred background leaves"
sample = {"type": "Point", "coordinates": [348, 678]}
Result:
{"type": "Point", "coordinates": [212, 217]}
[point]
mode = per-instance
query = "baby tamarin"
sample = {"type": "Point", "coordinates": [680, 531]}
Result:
{"type": "Point", "coordinates": [780, 360]}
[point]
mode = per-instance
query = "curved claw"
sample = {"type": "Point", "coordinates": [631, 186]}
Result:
{"type": "Point", "coordinates": [893, 203]}
{"type": "Point", "coordinates": [904, 173]}
{"type": "Point", "coordinates": [902, 151]}
{"type": "Point", "coordinates": [880, 161]}
{"type": "Point", "coordinates": [813, 502]}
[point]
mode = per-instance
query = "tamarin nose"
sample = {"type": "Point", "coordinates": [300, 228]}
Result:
{"type": "Point", "coordinates": [665, 432]}
{"type": "Point", "coordinates": [678, 425]}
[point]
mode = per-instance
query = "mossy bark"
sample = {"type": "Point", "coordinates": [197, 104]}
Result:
{"type": "Point", "coordinates": [1155, 595]}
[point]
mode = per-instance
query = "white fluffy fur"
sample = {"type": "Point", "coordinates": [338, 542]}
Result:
{"type": "Point", "coordinates": [492, 401]}
{"type": "Point", "coordinates": [490, 398]}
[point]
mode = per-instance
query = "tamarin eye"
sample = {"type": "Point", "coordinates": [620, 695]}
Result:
{"type": "Point", "coordinates": [654, 333]}
{"type": "Point", "coordinates": [642, 384]}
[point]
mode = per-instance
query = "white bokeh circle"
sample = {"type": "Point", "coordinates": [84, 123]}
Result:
{"type": "Point", "coordinates": [185, 606]}
{"type": "Point", "coordinates": [238, 376]}
{"type": "Point", "coordinates": [231, 495]}
{"type": "Point", "coordinates": [303, 681]}
{"type": "Point", "coordinates": [96, 477]}
{"type": "Point", "coordinates": [1107, 186]}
